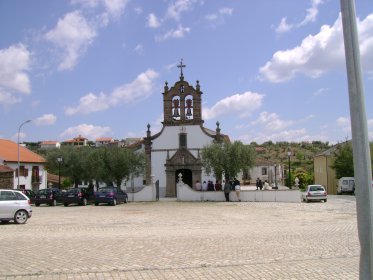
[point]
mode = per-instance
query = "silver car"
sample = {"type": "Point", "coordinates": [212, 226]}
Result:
{"type": "Point", "coordinates": [315, 193]}
{"type": "Point", "coordinates": [14, 205]}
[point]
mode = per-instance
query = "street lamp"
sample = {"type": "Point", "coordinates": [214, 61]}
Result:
{"type": "Point", "coordinates": [19, 131]}
{"type": "Point", "coordinates": [289, 155]}
{"type": "Point", "coordinates": [59, 159]}
{"type": "Point", "coordinates": [275, 165]}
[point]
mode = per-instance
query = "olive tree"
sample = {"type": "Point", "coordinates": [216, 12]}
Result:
{"type": "Point", "coordinates": [228, 158]}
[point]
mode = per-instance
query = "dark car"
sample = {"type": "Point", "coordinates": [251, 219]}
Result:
{"type": "Point", "coordinates": [79, 196]}
{"type": "Point", "coordinates": [50, 196]}
{"type": "Point", "coordinates": [110, 195]}
{"type": "Point", "coordinates": [29, 193]}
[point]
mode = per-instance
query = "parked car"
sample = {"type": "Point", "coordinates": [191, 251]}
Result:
{"type": "Point", "coordinates": [14, 205]}
{"type": "Point", "coordinates": [50, 196]}
{"type": "Point", "coordinates": [110, 195]}
{"type": "Point", "coordinates": [79, 196]}
{"type": "Point", "coordinates": [29, 193]}
{"type": "Point", "coordinates": [346, 185]}
{"type": "Point", "coordinates": [314, 193]}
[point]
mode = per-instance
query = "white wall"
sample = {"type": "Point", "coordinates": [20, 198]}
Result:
{"type": "Point", "coordinates": [26, 180]}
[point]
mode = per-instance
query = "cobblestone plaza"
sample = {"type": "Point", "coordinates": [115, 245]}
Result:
{"type": "Point", "coordinates": [185, 240]}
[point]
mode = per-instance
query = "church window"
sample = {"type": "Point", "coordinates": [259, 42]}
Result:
{"type": "Point", "coordinates": [182, 140]}
{"type": "Point", "coordinates": [264, 170]}
{"type": "Point", "coordinates": [181, 89]}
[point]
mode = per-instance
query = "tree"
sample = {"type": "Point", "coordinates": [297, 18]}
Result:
{"type": "Point", "coordinates": [344, 162]}
{"type": "Point", "coordinates": [227, 158]}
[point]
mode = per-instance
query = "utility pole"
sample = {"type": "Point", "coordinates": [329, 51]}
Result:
{"type": "Point", "coordinates": [360, 140]}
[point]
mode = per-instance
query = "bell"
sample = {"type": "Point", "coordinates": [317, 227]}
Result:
{"type": "Point", "coordinates": [176, 113]}
{"type": "Point", "coordinates": [189, 112]}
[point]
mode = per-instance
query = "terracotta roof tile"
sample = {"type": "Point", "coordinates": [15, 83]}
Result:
{"type": "Point", "coordinates": [9, 153]}
{"type": "Point", "coordinates": [4, 169]}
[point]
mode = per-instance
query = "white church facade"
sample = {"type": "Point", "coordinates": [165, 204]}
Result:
{"type": "Point", "coordinates": [176, 148]}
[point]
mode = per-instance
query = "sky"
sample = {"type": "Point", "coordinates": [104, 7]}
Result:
{"type": "Point", "coordinates": [269, 70]}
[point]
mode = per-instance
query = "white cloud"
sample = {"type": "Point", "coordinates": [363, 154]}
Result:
{"type": "Point", "coordinates": [139, 49]}
{"type": "Point", "coordinates": [7, 98]}
{"type": "Point", "coordinates": [153, 21]}
{"type": "Point", "coordinates": [320, 92]}
{"type": "Point", "coordinates": [311, 16]}
{"type": "Point", "coordinates": [219, 16]}
{"type": "Point", "coordinates": [46, 119]}
{"type": "Point", "coordinates": [271, 121]}
{"type": "Point", "coordinates": [311, 12]}
{"type": "Point", "coordinates": [178, 7]}
{"type": "Point", "coordinates": [241, 104]}
{"type": "Point", "coordinates": [344, 124]}
{"type": "Point", "coordinates": [316, 55]}
{"type": "Point", "coordinates": [135, 91]}
{"type": "Point", "coordinates": [180, 32]}
{"type": "Point", "coordinates": [283, 26]}
{"type": "Point", "coordinates": [87, 130]}
{"type": "Point", "coordinates": [114, 8]}
{"type": "Point", "coordinates": [14, 62]}
{"type": "Point", "coordinates": [73, 34]}
{"type": "Point", "coordinates": [296, 135]}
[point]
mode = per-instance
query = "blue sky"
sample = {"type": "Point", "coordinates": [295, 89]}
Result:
{"type": "Point", "coordinates": [269, 70]}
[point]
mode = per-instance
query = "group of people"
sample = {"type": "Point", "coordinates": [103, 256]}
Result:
{"type": "Point", "coordinates": [260, 185]}
{"type": "Point", "coordinates": [227, 187]}
{"type": "Point", "coordinates": [208, 186]}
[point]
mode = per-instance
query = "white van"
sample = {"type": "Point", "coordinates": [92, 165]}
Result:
{"type": "Point", "coordinates": [346, 185]}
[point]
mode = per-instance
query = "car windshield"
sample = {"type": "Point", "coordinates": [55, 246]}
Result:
{"type": "Point", "coordinates": [316, 188]}
{"type": "Point", "coordinates": [44, 191]}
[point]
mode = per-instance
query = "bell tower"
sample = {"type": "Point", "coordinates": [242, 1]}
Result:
{"type": "Point", "coordinates": [182, 102]}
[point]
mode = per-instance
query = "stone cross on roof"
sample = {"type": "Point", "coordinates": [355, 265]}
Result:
{"type": "Point", "coordinates": [181, 66]}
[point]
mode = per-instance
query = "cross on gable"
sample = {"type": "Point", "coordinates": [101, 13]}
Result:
{"type": "Point", "coordinates": [181, 66]}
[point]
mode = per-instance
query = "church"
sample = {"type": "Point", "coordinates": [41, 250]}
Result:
{"type": "Point", "coordinates": [176, 148]}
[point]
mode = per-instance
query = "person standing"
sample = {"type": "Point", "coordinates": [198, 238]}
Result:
{"type": "Point", "coordinates": [218, 186]}
{"type": "Point", "coordinates": [204, 186]}
{"type": "Point", "coordinates": [198, 186]}
{"type": "Point", "coordinates": [227, 189]}
{"type": "Point", "coordinates": [237, 188]}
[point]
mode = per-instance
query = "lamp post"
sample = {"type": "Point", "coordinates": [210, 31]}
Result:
{"type": "Point", "coordinates": [59, 159]}
{"type": "Point", "coordinates": [289, 155]}
{"type": "Point", "coordinates": [275, 165]}
{"type": "Point", "coordinates": [19, 166]}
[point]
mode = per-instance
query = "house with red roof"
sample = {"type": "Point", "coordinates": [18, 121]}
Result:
{"type": "Point", "coordinates": [30, 173]}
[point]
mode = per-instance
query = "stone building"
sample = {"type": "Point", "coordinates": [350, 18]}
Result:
{"type": "Point", "coordinates": [176, 148]}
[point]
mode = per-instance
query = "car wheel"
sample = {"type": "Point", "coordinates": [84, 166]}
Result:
{"type": "Point", "coordinates": [65, 204]}
{"type": "Point", "coordinates": [21, 217]}
{"type": "Point", "coordinates": [126, 199]}
{"type": "Point", "coordinates": [37, 204]}
{"type": "Point", "coordinates": [96, 203]}
{"type": "Point", "coordinates": [54, 203]}
{"type": "Point", "coordinates": [307, 200]}
{"type": "Point", "coordinates": [325, 200]}
{"type": "Point", "coordinates": [114, 202]}
{"type": "Point", "coordinates": [84, 202]}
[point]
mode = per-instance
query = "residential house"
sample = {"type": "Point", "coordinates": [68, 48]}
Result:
{"type": "Point", "coordinates": [77, 141]}
{"type": "Point", "coordinates": [49, 145]}
{"type": "Point", "coordinates": [31, 173]}
{"type": "Point", "coordinates": [323, 171]}
{"type": "Point", "coordinates": [103, 141]}
{"type": "Point", "coordinates": [265, 170]}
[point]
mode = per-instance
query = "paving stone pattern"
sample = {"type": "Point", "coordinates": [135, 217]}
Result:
{"type": "Point", "coordinates": [185, 240]}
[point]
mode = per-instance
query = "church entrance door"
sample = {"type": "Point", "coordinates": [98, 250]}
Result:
{"type": "Point", "coordinates": [187, 176]}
